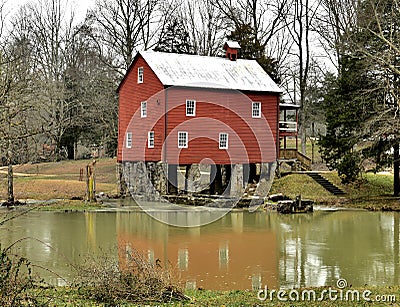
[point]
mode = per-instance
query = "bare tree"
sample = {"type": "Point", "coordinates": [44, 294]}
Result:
{"type": "Point", "coordinates": [122, 27]}
{"type": "Point", "coordinates": [377, 41]}
{"type": "Point", "coordinates": [333, 23]}
{"type": "Point", "coordinates": [264, 16]}
{"type": "Point", "coordinates": [298, 24]}
{"type": "Point", "coordinates": [205, 26]}
{"type": "Point", "coordinates": [19, 116]}
{"type": "Point", "coordinates": [49, 28]}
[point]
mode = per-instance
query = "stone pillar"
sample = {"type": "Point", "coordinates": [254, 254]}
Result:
{"type": "Point", "coordinates": [122, 189]}
{"type": "Point", "coordinates": [139, 181]}
{"type": "Point", "coordinates": [161, 174]}
{"type": "Point", "coordinates": [236, 184]}
{"type": "Point", "coordinates": [192, 178]}
{"type": "Point", "coordinates": [266, 176]}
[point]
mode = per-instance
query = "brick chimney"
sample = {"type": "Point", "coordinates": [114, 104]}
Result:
{"type": "Point", "coordinates": [231, 48]}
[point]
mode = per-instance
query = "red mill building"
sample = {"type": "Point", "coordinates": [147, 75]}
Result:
{"type": "Point", "coordinates": [186, 117]}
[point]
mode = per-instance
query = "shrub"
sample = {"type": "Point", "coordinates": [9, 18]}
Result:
{"type": "Point", "coordinates": [107, 281]}
{"type": "Point", "coordinates": [349, 167]}
{"type": "Point", "coordinates": [16, 281]}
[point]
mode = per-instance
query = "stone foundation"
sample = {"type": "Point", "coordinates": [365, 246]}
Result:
{"type": "Point", "coordinates": [149, 180]}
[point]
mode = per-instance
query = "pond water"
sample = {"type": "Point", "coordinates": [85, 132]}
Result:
{"type": "Point", "coordinates": [242, 250]}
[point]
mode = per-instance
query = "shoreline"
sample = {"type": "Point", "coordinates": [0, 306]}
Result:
{"type": "Point", "coordinates": [68, 205]}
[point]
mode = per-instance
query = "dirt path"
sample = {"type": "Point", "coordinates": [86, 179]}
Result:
{"type": "Point", "coordinates": [4, 170]}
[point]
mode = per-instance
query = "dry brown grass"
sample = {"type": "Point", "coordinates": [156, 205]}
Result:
{"type": "Point", "coordinates": [45, 181]}
{"type": "Point", "coordinates": [108, 281]}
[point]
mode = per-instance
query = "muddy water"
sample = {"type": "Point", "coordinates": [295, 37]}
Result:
{"type": "Point", "coordinates": [242, 250]}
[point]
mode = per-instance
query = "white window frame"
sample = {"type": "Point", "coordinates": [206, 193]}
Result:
{"type": "Point", "coordinates": [194, 107]}
{"type": "Point", "coordinates": [226, 141]}
{"type": "Point", "coordinates": [140, 75]}
{"type": "Point", "coordinates": [253, 109]}
{"type": "Point", "coordinates": [128, 140]}
{"type": "Point", "coordinates": [143, 109]}
{"type": "Point", "coordinates": [181, 133]}
{"type": "Point", "coordinates": [150, 139]}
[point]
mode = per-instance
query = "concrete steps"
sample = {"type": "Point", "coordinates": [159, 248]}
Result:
{"type": "Point", "coordinates": [325, 183]}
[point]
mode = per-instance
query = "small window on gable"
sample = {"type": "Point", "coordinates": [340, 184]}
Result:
{"type": "Point", "coordinates": [182, 139]}
{"type": "Point", "coordinates": [140, 75]}
{"type": "Point", "coordinates": [150, 139]}
{"type": "Point", "coordinates": [223, 140]}
{"type": "Point", "coordinates": [129, 140]}
{"type": "Point", "coordinates": [256, 110]}
{"type": "Point", "coordinates": [190, 107]}
{"type": "Point", "coordinates": [143, 109]}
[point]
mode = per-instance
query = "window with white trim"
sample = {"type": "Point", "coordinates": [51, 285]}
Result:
{"type": "Point", "coordinates": [256, 109]}
{"type": "Point", "coordinates": [190, 107]}
{"type": "Point", "coordinates": [223, 140]}
{"type": "Point", "coordinates": [182, 139]}
{"type": "Point", "coordinates": [150, 139]}
{"type": "Point", "coordinates": [140, 75]}
{"type": "Point", "coordinates": [129, 140]}
{"type": "Point", "coordinates": [143, 109]}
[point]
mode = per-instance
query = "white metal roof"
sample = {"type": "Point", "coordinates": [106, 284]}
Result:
{"type": "Point", "coordinates": [210, 72]}
{"type": "Point", "coordinates": [233, 44]}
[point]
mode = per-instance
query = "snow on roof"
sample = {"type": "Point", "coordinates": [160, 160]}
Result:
{"type": "Point", "coordinates": [210, 72]}
{"type": "Point", "coordinates": [288, 106]}
{"type": "Point", "coordinates": [233, 44]}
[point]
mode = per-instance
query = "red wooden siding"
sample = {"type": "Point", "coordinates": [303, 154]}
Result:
{"type": "Point", "coordinates": [270, 111]}
{"type": "Point", "coordinates": [131, 94]}
{"type": "Point", "coordinates": [251, 140]}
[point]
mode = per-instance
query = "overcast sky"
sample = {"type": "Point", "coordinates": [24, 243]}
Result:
{"type": "Point", "coordinates": [80, 6]}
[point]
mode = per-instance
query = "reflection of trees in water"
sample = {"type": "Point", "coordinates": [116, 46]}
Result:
{"type": "Point", "coordinates": [319, 248]}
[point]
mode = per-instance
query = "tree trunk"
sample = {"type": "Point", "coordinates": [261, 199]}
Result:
{"type": "Point", "coordinates": [10, 179]}
{"type": "Point", "coordinates": [396, 164]}
{"type": "Point", "coordinates": [302, 127]}
{"type": "Point", "coordinates": [10, 175]}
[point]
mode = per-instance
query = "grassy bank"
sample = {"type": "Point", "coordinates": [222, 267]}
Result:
{"type": "Point", "coordinates": [372, 191]}
{"type": "Point", "coordinates": [65, 296]}
{"type": "Point", "coordinates": [59, 180]}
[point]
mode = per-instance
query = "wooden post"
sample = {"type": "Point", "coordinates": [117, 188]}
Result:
{"type": "Point", "coordinates": [91, 182]}
{"type": "Point", "coordinates": [396, 167]}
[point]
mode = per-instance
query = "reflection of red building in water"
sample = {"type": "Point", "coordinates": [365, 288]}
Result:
{"type": "Point", "coordinates": [186, 110]}
{"type": "Point", "coordinates": [239, 258]}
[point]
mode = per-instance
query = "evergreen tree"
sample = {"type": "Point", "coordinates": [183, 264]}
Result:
{"type": "Point", "coordinates": [252, 49]}
{"type": "Point", "coordinates": [175, 38]}
{"type": "Point", "coordinates": [348, 105]}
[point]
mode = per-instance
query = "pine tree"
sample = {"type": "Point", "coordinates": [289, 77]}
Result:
{"type": "Point", "coordinates": [175, 38]}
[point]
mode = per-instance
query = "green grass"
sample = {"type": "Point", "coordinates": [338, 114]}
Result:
{"type": "Point", "coordinates": [373, 191]}
{"type": "Point", "coordinates": [300, 184]}
{"type": "Point", "coordinates": [68, 205]}
{"type": "Point", "coordinates": [66, 296]}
